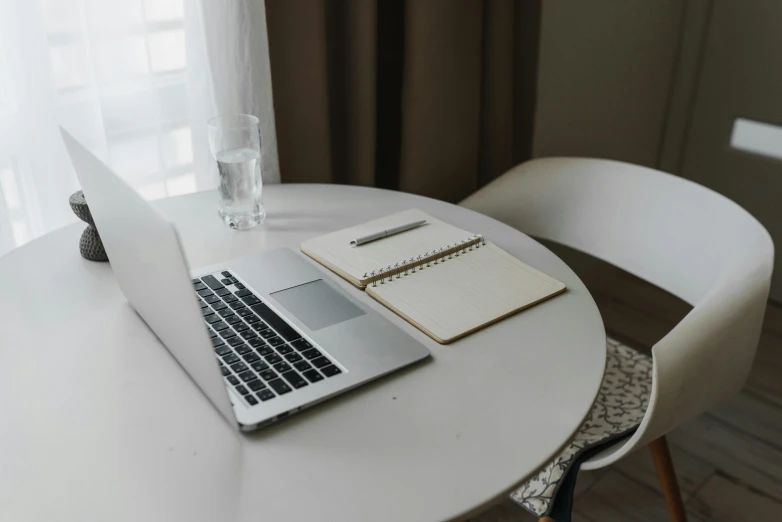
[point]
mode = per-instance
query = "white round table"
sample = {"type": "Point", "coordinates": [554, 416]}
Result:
{"type": "Point", "coordinates": [100, 423]}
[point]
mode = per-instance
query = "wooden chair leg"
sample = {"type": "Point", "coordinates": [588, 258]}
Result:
{"type": "Point", "coordinates": [667, 476]}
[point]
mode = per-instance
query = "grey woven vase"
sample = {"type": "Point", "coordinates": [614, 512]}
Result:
{"type": "Point", "coordinates": [90, 244]}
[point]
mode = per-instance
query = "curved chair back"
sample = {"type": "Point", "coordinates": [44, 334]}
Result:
{"type": "Point", "coordinates": [678, 235]}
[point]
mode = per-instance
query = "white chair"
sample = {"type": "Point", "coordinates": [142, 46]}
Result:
{"type": "Point", "coordinates": [675, 234]}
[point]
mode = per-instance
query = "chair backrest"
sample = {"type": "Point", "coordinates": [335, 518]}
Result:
{"type": "Point", "coordinates": [678, 235]}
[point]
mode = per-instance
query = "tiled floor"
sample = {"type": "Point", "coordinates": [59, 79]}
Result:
{"type": "Point", "coordinates": [729, 460]}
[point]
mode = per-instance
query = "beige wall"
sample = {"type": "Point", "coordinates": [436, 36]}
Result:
{"type": "Point", "coordinates": [659, 83]}
{"type": "Point", "coordinates": [739, 77]}
{"type": "Point", "coordinates": [605, 73]}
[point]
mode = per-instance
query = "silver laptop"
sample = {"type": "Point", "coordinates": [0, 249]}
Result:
{"type": "Point", "coordinates": [263, 337]}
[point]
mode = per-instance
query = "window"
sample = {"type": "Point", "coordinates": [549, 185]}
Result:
{"type": "Point", "coordinates": [115, 74]}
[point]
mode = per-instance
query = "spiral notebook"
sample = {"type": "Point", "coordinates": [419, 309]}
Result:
{"type": "Point", "coordinates": [444, 280]}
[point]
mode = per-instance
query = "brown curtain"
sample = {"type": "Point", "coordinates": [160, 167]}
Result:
{"type": "Point", "coordinates": [434, 97]}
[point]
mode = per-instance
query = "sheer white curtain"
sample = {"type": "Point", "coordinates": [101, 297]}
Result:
{"type": "Point", "coordinates": [135, 81]}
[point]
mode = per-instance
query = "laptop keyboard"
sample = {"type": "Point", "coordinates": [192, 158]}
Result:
{"type": "Point", "coordinates": [261, 356]}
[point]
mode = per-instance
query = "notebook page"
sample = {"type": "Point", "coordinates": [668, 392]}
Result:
{"type": "Point", "coordinates": [334, 250]}
{"type": "Point", "coordinates": [460, 295]}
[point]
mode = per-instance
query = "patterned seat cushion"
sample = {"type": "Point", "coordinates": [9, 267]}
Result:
{"type": "Point", "coordinates": [618, 410]}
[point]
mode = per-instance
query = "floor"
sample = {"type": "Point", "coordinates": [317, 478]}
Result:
{"type": "Point", "coordinates": [729, 460]}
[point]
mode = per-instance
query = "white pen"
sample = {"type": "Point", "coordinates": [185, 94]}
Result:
{"type": "Point", "coordinates": [385, 233]}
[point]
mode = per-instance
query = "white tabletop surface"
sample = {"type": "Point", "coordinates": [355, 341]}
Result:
{"type": "Point", "coordinates": [100, 423]}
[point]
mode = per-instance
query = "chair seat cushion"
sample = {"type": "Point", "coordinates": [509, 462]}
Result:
{"type": "Point", "coordinates": [618, 410]}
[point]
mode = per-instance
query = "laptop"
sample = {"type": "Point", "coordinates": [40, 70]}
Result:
{"type": "Point", "coordinates": [263, 337]}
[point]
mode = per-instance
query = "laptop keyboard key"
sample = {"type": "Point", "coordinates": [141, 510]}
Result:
{"type": "Point", "coordinates": [256, 343]}
{"type": "Point", "coordinates": [249, 334]}
{"type": "Point", "coordinates": [312, 353]}
{"type": "Point", "coordinates": [226, 312]}
{"type": "Point", "coordinates": [241, 389]}
{"type": "Point", "coordinates": [312, 375]}
{"type": "Point", "coordinates": [259, 366]}
{"type": "Point", "coordinates": [247, 376]}
{"type": "Point", "coordinates": [230, 299]}
{"type": "Point", "coordinates": [267, 375]}
{"type": "Point", "coordinates": [320, 362]}
{"type": "Point", "coordinates": [225, 281]}
{"type": "Point", "coordinates": [241, 327]}
{"type": "Point", "coordinates": [231, 358]}
{"type": "Point", "coordinates": [243, 293]}
{"type": "Point", "coordinates": [205, 292]}
{"type": "Point", "coordinates": [252, 318]}
{"type": "Point", "coordinates": [222, 292]}
{"type": "Point", "coordinates": [235, 341]}
{"type": "Point", "coordinates": [212, 282]}
{"type": "Point", "coordinates": [293, 357]}
{"type": "Point", "coordinates": [284, 349]}
{"type": "Point", "coordinates": [242, 349]}
{"type": "Point", "coordinates": [266, 394]}
{"type": "Point", "coordinates": [251, 357]}
{"type": "Point", "coordinates": [212, 333]}
{"type": "Point", "coordinates": [239, 286]}
{"type": "Point", "coordinates": [267, 334]}
{"type": "Point", "coordinates": [219, 306]}
{"type": "Point", "coordinates": [330, 371]}
{"type": "Point", "coordinates": [212, 299]}
{"type": "Point", "coordinates": [256, 385]}
{"type": "Point", "coordinates": [222, 350]}
{"type": "Point", "coordinates": [260, 326]}
{"type": "Point", "coordinates": [227, 334]}
{"type": "Point", "coordinates": [226, 273]}
{"type": "Point", "coordinates": [211, 318]}
{"type": "Point", "coordinates": [199, 285]}
{"type": "Point", "coordinates": [273, 358]}
{"type": "Point", "coordinates": [279, 386]}
{"type": "Point", "coordinates": [244, 311]}
{"type": "Point", "coordinates": [217, 342]}
{"type": "Point", "coordinates": [232, 379]}
{"type": "Point", "coordinates": [302, 366]}
{"type": "Point", "coordinates": [235, 305]}
{"type": "Point", "coordinates": [295, 380]}
{"type": "Point", "coordinates": [301, 344]}
{"type": "Point", "coordinates": [239, 367]}
{"type": "Point", "coordinates": [219, 326]}
{"type": "Point", "coordinates": [225, 371]}
{"type": "Point", "coordinates": [252, 401]}
{"type": "Point", "coordinates": [233, 319]}
{"type": "Point", "coordinates": [282, 367]}
{"type": "Point", "coordinates": [275, 341]}
{"type": "Point", "coordinates": [250, 300]}
{"type": "Point", "coordinates": [276, 322]}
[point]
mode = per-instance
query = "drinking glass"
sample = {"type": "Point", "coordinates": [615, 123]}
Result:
{"type": "Point", "coordinates": [235, 142]}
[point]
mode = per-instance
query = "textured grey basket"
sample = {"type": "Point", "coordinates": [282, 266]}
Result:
{"type": "Point", "coordinates": [90, 244]}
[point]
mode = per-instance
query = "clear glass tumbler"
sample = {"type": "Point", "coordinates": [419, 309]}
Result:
{"type": "Point", "coordinates": [235, 142]}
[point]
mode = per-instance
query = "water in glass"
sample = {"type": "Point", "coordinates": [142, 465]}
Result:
{"type": "Point", "coordinates": [236, 146]}
{"type": "Point", "coordinates": [240, 187]}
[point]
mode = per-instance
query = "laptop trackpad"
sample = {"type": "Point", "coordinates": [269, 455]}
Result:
{"type": "Point", "coordinates": [317, 305]}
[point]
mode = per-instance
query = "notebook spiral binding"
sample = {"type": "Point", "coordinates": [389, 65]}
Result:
{"type": "Point", "coordinates": [419, 262]}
